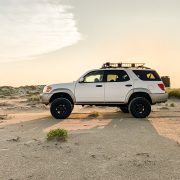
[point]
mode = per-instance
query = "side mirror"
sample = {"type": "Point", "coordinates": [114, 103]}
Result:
{"type": "Point", "coordinates": [81, 80]}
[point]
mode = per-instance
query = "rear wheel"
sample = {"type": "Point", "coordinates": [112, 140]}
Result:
{"type": "Point", "coordinates": [124, 109]}
{"type": "Point", "coordinates": [61, 108]}
{"type": "Point", "coordinates": [140, 107]}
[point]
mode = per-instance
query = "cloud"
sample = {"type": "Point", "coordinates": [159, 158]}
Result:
{"type": "Point", "coordinates": [34, 27]}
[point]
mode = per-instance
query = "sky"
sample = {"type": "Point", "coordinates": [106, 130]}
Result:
{"type": "Point", "coordinates": [54, 41]}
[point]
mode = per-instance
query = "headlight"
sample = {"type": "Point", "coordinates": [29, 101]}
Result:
{"type": "Point", "coordinates": [47, 89]}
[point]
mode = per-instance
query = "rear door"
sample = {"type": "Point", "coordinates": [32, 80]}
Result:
{"type": "Point", "coordinates": [117, 85]}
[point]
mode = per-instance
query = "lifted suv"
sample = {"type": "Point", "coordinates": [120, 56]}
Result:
{"type": "Point", "coordinates": [131, 87]}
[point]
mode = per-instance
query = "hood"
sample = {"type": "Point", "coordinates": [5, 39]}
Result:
{"type": "Point", "coordinates": [69, 86]}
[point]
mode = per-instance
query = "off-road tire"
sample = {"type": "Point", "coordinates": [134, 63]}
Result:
{"type": "Point", "coordinates": [61, 108]}
{"type": "Point", "coordinates": [140, 107]}
{"type": "Point", "coordinates": [124, 109]}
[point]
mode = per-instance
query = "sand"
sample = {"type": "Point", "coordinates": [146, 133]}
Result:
{"type": "Point", "coordinates": [113, 145]}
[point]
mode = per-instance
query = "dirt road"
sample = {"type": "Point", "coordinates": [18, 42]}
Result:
{"type": "Point", "coordinates": [111, 146]}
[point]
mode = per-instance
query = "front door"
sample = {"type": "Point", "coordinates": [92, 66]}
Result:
{"type": "Point", "coordinates": [91, 89]}
{"type": "Point", "coordinates": [117, 85]}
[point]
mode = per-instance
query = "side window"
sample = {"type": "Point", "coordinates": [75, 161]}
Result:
{"type": "Point", "coordinates": [117, 76]}
{"type": "Point", "coordinates": [94, 77]}
{"type": "Point", "coordinates": [147, 75]}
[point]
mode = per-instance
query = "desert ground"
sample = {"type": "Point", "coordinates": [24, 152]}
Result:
{"type": "Point", "coordinates": [112, 145]}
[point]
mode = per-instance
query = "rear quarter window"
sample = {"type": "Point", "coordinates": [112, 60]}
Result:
{"type": "Point", "coordinates": [147, 75]}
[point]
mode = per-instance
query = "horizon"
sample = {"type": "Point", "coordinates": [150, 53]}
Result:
{"type": "Point", "coordinates": [46, 41]}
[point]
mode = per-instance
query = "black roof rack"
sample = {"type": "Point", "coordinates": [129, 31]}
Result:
{"type": "Point", "coordinates": [123, 65]}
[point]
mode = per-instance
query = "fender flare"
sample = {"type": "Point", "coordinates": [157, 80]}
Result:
{"type": "Point", "coordinates": [137, 90]}
{"type": "Point", "coordinates": [64, 90]}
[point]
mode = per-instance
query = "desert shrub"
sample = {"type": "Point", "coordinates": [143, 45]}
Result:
{"type": "Point", "coordinates": [57, 134]}
{"type": "Point", "coordinates": [2, 96]}
{"type": "Point", "coordinates": [173, 93]}
{"type": "Point", "coordinates": [4, 104]}
{"type": "Point", "coordinates": [8, 91]}
{"type": "Point", "coordinates": [34, 98]}
{"type": "Point", "coordinates": [3, 117]}
{"type": "Point", "coordinates": [94, 114]}
{"type": "Point", "coordinates": [172, 105]}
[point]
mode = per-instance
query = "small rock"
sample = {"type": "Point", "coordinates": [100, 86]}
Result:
{"type": "Point", "coordinates": [76, 143]}
{"type": "Point", "coordinates": [14, 139]}
{"type": "Point", "coordinates": [26, 144]}
{"type": "Point", "coordinates": [143, 154]}
{"type": "Point", "coordinates": [68, 150]}
{"type": "Point", "coordinates": [178, 143]}
{"type": "Point", "coordinates": [30, 176]}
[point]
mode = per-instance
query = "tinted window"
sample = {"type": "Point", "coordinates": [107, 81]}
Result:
{"type": "Point", "coordinates": [93, 77]}
{"type": "Point", "coordinates": [147, 75]}
{"type": "Point", "coordinates": [116, 76]}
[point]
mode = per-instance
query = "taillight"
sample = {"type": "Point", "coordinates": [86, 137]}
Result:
{"type": "Point", "coordinates": [161, 86]}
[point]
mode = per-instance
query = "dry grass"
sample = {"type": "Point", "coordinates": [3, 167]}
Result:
{"type": "Point", "coordinates": [4, 104]}
{"type": "Point", "coordinates": [172, 105]}
{"type": "Point", "coordinates": [94, 114]}
{"type": "Point", "coordinates": [173, 92]}
{"type": "Point", "coordinates": [34, 98]}
{"type": "Point", "coordinates": [3, 116]}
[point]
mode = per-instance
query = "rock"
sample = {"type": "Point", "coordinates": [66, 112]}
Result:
{"type": "Point", "coordinates": [3, 117]}
{"type": "Point", "coordinates": [15, 139]}
{"type": "Point", "coordinates": [93, 156]}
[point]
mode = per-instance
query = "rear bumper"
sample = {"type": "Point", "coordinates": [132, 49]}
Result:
{"type": "Point", "coordinates": [159, 98]}
{"type": "Point", "coordinates": [45, 98]}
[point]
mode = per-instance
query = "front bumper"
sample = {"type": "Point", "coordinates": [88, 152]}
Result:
{"type": "Point", "coordinates": [45, 98]}
{"type": "Point", "coordinates": [159, 98]}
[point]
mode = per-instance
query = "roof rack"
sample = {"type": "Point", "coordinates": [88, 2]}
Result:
{"type": "Point", "coordinates": [124, 65]}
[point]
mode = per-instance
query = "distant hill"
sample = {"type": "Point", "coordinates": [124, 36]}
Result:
{"type": "Point", "coordinates": [8, 91]}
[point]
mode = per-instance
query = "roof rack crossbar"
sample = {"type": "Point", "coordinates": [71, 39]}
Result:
{"type": "Point", "coordinates": [124, 65]}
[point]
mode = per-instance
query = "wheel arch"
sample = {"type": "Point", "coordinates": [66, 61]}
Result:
{"type": "Point", "coordinates": [64, 93]}
{"type": "Point", "coordinates": [139, 93]}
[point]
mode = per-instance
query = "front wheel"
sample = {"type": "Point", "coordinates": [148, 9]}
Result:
{"type": "Point", "coordinates": [140, 107]}
{"type": "Point", "coordinates": [61, 108]}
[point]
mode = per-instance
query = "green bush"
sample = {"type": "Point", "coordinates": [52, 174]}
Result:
{"type": "Point", "coordinates": [173, 93]}
{"type": "Point", "coordinates": [57, 134]}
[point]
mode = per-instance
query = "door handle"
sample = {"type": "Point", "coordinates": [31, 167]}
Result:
{"type": "Point", "coordinates": [128, 85]}
{"type": "Point", "coordinates": [98, 85]}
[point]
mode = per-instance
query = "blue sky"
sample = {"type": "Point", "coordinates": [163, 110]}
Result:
{"type": "Point", "coordinates": [62, 36]}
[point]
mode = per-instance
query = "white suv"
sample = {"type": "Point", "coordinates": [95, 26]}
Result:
{"type": "Point", "coordinates": [131, 87]}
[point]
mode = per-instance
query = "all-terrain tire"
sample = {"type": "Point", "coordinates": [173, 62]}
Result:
{"type": "Point", "coordinates": [140, 107]}
{"type": "Point", "coordinates": [124, 109]}
{"type": "Point", "coordinates": [61, 108]}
